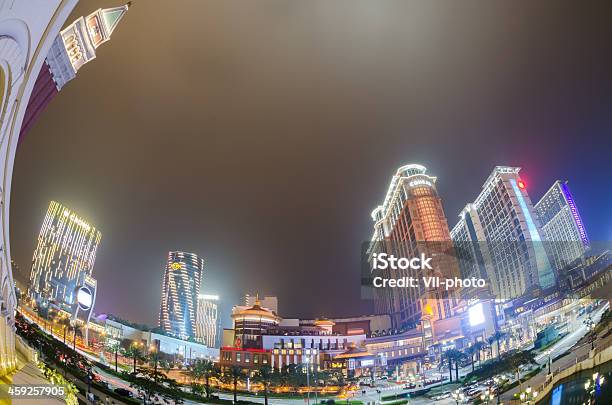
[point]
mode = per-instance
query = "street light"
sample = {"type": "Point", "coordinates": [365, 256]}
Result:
{"type": "Point", "coordinates": [486, 396]}
{"type": "Point", "coordinates": [528, 396]}
{"type": "Point", "coordinates": [308, 377]}
{"type": "Point", "coordinates": [458, 396]}
{"type": "Point", "coordinates": [498, 382]}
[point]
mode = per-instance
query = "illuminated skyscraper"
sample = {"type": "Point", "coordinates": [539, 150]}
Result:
{"type": "Point", "coordinates": [207, 318]}
{"type": "Point", "coordinates": [64, 256]}
{"type": "Point", "coordinates": [411, 222]}
{"type": "Point", "coordinates": [180, 289]}
{"type": "Point", "coordinates": [562, 228]}
{"type": "Point", "coordinates": [505, 237]}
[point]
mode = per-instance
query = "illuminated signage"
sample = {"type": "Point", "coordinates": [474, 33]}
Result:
{"type": "Point", "coordinates": [176, 266]}
{"type": "Point", "coordinates": [84, 298]}
{"type": "Point", "coordinates": [476, 314]}
{"type": "Point", "coordinates": [367, 363]}
{"type": "Point", "coordinates": [420, 182]}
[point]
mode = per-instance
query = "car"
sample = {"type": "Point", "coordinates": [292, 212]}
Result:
{"type": "Point", "coordinates": [442, 395]}
{"type": "Point", "coordinates": [125, 393]}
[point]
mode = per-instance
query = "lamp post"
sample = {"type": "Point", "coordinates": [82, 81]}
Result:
{"type": "Point", "coordinates": [528, 396]}
{"type": "Point", "coordinates": [497, 381]}
{"type": "Point", "coordinates": [590, 324]}
{"type": "Point", "coordinates": [308, 378]}
{"type": "Point", "coordinates": [458, 396]}
{"type": "Point", "coordinates": [486, 396]}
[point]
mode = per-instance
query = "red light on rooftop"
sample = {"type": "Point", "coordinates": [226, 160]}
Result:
{"type": "Point", "coordinates": [522, 184]}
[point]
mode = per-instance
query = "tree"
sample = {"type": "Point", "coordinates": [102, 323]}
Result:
{"type": "Point", "coordinates": [455, 356]}
{"type": "Point", "coordinates": [264, 375]}
{"type": "Point", "coordinates": [490, 341]}
{"type": "Point", "coordinates": [469, 352]}
{"type": "Point", "coordinates": [76, 329]}
{"type": "Point", "coordinates": [478, 347]}
{"type": "Point", "coordinates": [135, 352]}
{"type": "Point", "coordinates": [154, 358]}
{"type": "Point", "coordinates": [204, 369]}
{"type": "Point", "coordinates": [114, 348]}
{"type": "Point", "coordinates": [498, 336]}
{"type": "Point", "coordinates": [65, 323]}
{"type": "Point", "coordinates": [516, 360]}
{"type": "Point", "coordinates": [446, 359]}
{"type": "Point", "coordinates": [152, 382]}
{"type": "Point", "coordinates": [234, 375]}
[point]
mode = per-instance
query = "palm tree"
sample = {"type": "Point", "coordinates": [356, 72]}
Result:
{"type": "Point", "coordinates": [65, 322]}
{"type": "Point", "coordinates": [134, 352]}
{"type": "Point", "coordinates": [497, 337]}
{"type": "Point", "coordinates": [264, 374]}
{"type": "Point", "coordinates": [77, 329]}
{"type": "Point", "coordinates": [469, 352]}
{"type": "Point", "coordinates": [490, 341]}
{"type": "Point", "coordinates": [206, 369]}
{"type": "Point", "coordinates": [455, 356]}
{"type": "Point", "coordinates": [478, 347]}
{"type": "Point", "coordinates": [447, 358]}
{"type": "Point", "coordinates": [114, 348]}
{"type": "Point", "coordinates": [235, 374]}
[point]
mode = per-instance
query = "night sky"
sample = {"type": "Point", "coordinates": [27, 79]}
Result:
{"type": "Point", "coordinates": [261, 134]}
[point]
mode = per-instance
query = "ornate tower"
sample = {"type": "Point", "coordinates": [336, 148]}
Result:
{"type": "Point", "coordinates": [74, 47]}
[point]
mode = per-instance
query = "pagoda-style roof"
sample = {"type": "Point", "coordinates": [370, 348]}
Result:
{"type": "Point", "coordinates": [255, 311]}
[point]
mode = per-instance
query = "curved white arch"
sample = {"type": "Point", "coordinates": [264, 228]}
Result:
{"type": "Point", "coordinates": [27, 31]}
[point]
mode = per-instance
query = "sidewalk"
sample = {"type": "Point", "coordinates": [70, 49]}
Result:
{"type": "Point", "coordinates": [576, 355]}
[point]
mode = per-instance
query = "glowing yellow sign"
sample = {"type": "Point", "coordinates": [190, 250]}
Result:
{"type": "Point", "coordinates": [175, 266]}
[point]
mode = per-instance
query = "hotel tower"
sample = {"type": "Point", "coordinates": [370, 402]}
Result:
{"type": "Point", "coordinates": [180, 290]}
{"type": "Point", "coordinates": [502, 233]}
{"type": "Point", "coordinates": [64, 257]}
{"type": "Point", "coordinates": [408, 223]}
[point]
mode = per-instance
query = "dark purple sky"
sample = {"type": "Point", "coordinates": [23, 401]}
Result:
{"type": "Point", "coordinates": [261, 134]}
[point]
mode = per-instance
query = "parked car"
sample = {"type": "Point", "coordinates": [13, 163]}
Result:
{"type": "Point", "coordinates": [124, 392]}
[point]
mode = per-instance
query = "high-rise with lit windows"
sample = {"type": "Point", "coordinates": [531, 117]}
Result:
{"type": "Point", "coordinates": [180, 289]}
{"type": "Point", "coordinates": [207, 319]}
{"type": "Point", "coordinates": [64, 256]}
{"type": "Point", "coordinates": [501, 232]}
{"type": "Point", "coordinates": [410, 222]}
{"type": "Point", "coordinates": [562, 227]}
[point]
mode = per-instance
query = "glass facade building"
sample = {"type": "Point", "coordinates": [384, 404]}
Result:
{"type": "Point", "coordinates": [64, 256]}
{"type": "Point", "coordinates": [180, 289]}
{"type": "Point", "coordinates": [499, 237]}
{"type": "Point", "coordinates": [562, 227]}
{"type": "Point", "coordinates": [207, 319]}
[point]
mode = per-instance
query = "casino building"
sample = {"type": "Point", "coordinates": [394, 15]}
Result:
{"type": "Point", "coordinates": [64, 257]}
{"type": "Point", "coordinates": [499, 237]}
{"type": "Point", "coordinates": [180, 290]}
{"type": "Point", "coordinates": [410, 222]}
{"type": "Point", "coordinates": [562, 227]}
